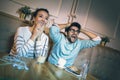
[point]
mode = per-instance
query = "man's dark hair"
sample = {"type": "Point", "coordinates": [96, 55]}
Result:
{"type": "Point", "coordinates": [34, 14]}
{"type": "Point", "coordinates": [76, 24]}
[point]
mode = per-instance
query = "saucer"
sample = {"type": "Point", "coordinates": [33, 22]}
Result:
{"type": "Point", "coordinates": [62, 67]}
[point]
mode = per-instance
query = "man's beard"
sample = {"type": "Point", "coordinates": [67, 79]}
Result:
{"type": "Point", "coordinates": [72, 39]}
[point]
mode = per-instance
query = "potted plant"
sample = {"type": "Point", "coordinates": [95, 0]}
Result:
{"type": "Point", "coordinates": [105, 40]}
{"type": "Point", "coordinates": [24, 12]}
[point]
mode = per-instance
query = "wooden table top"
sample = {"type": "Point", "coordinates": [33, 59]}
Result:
{"type": "Point", "coordinates": [36, 71]}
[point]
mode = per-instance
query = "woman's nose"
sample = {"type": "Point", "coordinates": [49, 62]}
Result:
{"type": "Point", "coordinates": [43, 19]}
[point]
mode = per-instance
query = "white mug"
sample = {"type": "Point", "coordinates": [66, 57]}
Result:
{"type": "Point", "coordinates": [61, 62]}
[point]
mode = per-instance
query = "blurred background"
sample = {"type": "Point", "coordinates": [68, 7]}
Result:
{"type": "Point", "coordinates": [98, 16]}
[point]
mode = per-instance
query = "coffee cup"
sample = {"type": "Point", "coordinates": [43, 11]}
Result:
{"type": "Point", "coordinates": [61, 63]}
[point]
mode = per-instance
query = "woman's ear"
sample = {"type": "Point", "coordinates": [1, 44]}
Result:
{"type": "Point", "coordinates": [33, 19]}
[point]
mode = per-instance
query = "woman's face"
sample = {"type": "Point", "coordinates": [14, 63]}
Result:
{"type": "Point", "coordinates": [41, 17]}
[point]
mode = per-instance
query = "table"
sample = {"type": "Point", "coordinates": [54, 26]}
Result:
{"type": "Point", "coordinates": [36, 71]}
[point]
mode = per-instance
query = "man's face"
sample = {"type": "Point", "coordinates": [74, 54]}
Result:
{"type": "Point", "coordinates": [72, 34]}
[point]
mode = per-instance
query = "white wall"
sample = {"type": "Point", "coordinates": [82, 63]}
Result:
{"type": "Point", "coordinates": [54, 7]}
{"type": "Point", "coordinates": [99, 16]}
{"type": "Point", "coordinates": [9, 7]}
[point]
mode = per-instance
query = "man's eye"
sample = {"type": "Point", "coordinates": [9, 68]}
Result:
{"type": "Point", "coordinates": [72, 30]}
{"type": "Point", "coordinates": [78, 31]}
{"type": "Point", "coordinates": [40, 16]}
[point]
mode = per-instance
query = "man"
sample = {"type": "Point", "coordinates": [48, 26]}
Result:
{"type": "Point", "coordinates": [68, 46]}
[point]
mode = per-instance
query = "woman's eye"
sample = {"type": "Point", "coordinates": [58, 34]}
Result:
{"type": "Point", "coordinates": [46, 18]}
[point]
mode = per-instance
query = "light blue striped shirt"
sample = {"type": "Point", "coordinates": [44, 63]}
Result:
{"type": "Point", "coordinates": [64, 49]}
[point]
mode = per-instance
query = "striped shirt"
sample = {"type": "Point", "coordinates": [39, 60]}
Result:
{"type": "Point", "coordinates": [24, 46]}
{"type": "Point", "coordinates": [62, 48]}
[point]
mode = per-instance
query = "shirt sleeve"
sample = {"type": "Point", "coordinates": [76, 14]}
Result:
{"type": "Point", "coordinates": [21, 47]}
{"type": "Point", "coordinates": [89, 43]}
{"type": "Point", "coordinates": [97, 38]}
{"type": "Point", "coordinates": [55, 33]}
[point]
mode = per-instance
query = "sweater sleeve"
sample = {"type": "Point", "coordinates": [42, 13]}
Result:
{"type": "Point", "coordinates": [55, 33]}
{"type": "Point", "coordinates": [90, 43]}
{"type": "Point", "coordinates": [21, 47]}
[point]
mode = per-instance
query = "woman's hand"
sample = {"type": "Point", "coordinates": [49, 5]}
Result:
{"type": "Point", "coordinates": [37, 30]}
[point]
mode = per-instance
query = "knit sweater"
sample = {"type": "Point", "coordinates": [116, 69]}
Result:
{"type": "Point", "coordinates": [64, 49]}
{"type": "Point", "coordinates": [24, 46]}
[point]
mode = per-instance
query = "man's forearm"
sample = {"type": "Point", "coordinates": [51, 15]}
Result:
{"type": "Point", "coordinates": [89, 34]}
{"type": "Point", "coordinates": [62, 26]}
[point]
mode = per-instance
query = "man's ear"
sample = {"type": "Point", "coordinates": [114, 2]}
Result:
{"type": "Point", "coordinates": [66, 29]}
{"type": "Point", "coordinates": [65, 33]}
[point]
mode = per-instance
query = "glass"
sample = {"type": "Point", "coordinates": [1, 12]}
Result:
{"type": "Point", "coordinates": [77, 31]}
{"type": "Point", "coordinates": [84, 70]}
{"type": "Point", "coordinates": [42, 55]}
{"type": "Point", "coordinates": [82, 75]}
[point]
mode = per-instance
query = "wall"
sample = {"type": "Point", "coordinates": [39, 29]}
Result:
{"type": "Point", "coordinates": [54, 7]}
{"type": "Point", "coordinates": [8, 26]}
{"type": "Point", "coordinates": [99, 16]}
{"type": "Point", "coordinates": [103, 18]}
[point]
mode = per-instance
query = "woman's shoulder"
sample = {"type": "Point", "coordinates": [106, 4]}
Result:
{"type": "Point", "coordinates": [22, 28]}
{"type": "Point", "coordinates": [44, 34]}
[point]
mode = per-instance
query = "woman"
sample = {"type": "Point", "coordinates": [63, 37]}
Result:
{"type": "Point", "coordinates": [29, 40]}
